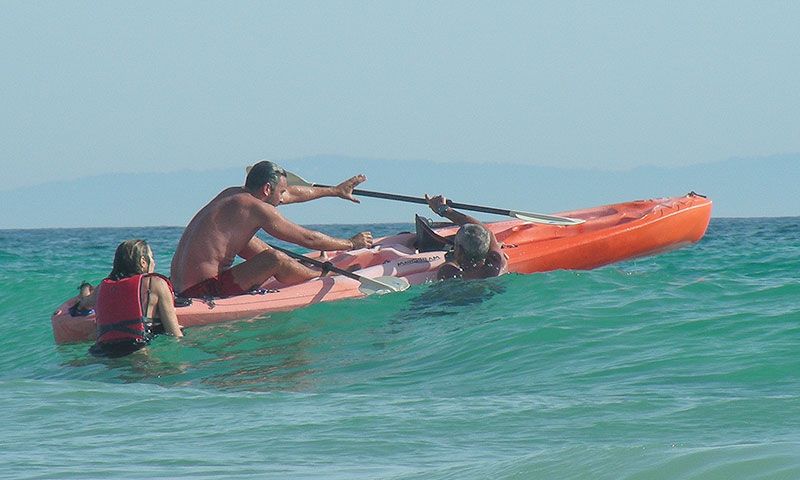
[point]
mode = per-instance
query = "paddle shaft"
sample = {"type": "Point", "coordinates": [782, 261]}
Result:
{"type": "Point", "coordinates": [420, 200]}
{"type": "Point", "coordinates": [369, 286]}
{"type": "Point", "coordinates": [294, 179]}
{"type": "Point", "coordinates": [318, 264]}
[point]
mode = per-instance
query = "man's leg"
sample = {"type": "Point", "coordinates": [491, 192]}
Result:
{"type": "Point", "coordinates": [270, 263]}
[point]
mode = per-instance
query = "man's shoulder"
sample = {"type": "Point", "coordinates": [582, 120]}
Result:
{"type": "Point", "coordinates": [232, 193]}
{"type": "Point", "coordinates": [237, 198]}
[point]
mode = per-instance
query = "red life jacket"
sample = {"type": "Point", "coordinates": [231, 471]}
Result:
{"type": "Point", "coordinates": [120, 312]}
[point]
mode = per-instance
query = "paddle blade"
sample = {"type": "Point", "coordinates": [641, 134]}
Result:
{"type": "Point", "coordinates": [293, 179]}
{"type": "Point", "coordinates": [382, 285]}
{"type": "Point", "coordinates": [546, 219]}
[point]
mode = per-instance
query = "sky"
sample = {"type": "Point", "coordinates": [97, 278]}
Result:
{"type": "Point", "coordinates": [103, 87]}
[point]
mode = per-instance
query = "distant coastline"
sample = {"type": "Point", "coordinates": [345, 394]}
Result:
{"type": "Point", "coordinates": [741, 187]}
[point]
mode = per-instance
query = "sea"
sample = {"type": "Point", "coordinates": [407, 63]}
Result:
{"type": "Point", "coordinates": [684, 365]}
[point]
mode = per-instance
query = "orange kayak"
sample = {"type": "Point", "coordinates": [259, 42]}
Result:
{"type": "Point", "coordinates": [609, 234]}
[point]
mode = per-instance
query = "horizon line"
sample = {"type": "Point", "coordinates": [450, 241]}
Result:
{"type": "Point", "coordinates": [4, 229]}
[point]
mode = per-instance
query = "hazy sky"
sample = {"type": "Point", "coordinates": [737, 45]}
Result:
{"type": "Point", "coordinates": [96, 87]}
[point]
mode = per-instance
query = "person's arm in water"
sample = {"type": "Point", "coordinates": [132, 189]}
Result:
{"type": "Point", "coordinates": [165, 306]}
{"type": "Point", "coordinates": [298, 194]}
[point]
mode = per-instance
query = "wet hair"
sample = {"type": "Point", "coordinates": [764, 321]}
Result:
{"type": "Point", "coordinates": [474, 241]}
{"type": "Point", "coordinates": [262, 173]}
{"type": "Point", "coordinates": [126, 259]}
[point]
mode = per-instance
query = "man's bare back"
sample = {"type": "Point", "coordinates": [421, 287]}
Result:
{"type": "Point", "coordinates": [213, 238]}
{"type": "Point", "coordinates": [227, 225]}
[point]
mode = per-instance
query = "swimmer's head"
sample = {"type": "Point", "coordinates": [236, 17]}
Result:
{"type": "Point", "coordinates": [473, 241]}
{"type": "Point", "coordinates": [131, 258]}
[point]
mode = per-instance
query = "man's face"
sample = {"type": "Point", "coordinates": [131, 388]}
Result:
{"type": "Point", "coordinates": [275, 196]}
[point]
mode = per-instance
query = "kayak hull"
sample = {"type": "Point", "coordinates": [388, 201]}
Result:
{"type": "Point", "coordinates": [609, 234]}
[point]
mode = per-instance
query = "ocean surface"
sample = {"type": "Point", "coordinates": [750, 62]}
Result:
{"type": "Point", "coordinates": [680, 366]}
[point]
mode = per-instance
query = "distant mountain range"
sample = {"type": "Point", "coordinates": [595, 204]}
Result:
{"type": "Point", "coordinates": [742, 187]}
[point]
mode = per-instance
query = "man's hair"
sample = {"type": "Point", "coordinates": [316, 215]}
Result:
{"type": "Point", "coordinates": [126, 259]}
{"type": "Point", "coordinates": [262, 173]}
{"type": "Point", "coordinates": [474, 241]}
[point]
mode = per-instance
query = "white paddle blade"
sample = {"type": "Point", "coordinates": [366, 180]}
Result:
{"type": "Point", "coordinates": [293, 179]}
{"type": "Point", "coordinates": [546, 219]}
{"type": "Point", "coordinates": [382, 285]}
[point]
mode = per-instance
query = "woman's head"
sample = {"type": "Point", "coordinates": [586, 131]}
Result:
{"type": "Point", "coordinates": [131, 258]}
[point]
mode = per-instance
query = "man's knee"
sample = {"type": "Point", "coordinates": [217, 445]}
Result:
{"type": "Point", "coordinates": [270, 257]}
{"type": "Point", "coordinates": [273, 258]}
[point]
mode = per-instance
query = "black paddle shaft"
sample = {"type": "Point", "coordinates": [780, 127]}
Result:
{"type": "Point", "coordinates": [420, 200]}
{"type": "Point", "coordinates": [323, 265]}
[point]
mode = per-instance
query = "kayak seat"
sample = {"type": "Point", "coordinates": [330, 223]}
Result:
{"type": "Point", "coordinates": [427, 239]}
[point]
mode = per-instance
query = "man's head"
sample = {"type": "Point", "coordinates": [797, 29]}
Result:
{"type": "Point", "coordinates": [473, 242]}
{"type": "Point", "coordinates": [266, 180]}
{"type": "Point", "coordinates": [262, 173]}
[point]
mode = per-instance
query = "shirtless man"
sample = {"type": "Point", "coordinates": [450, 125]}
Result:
{"type": "Point", "coordinates": [476, 252]}
{"type": "Point", "coordinates": [227, 225]}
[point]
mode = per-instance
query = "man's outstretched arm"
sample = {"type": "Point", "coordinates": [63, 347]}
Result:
{"type": "Point", "coordinates": [279, 227]}
{"type": "Point", "coordinates": [298, 194]}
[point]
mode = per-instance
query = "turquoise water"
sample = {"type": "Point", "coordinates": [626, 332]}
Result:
{"type": "Point", "coordinates": [679, 366]}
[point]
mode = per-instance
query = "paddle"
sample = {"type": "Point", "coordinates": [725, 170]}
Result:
{"type": "Point", "coordinates": [379, 285]}
{"type": "Point", "coordinates": [294, 179]}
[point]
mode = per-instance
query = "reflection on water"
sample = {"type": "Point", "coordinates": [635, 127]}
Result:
{"type": "Point", "coordinates": [266, 354]}
{"type": "Point", "coordinates": [301, 351]}
{"type": "Point", "coordinates": [453, 296]}
{"type": "Point", "coordinates": [146, 364]}
{"type": "Point", "coordinates": [262, 354]}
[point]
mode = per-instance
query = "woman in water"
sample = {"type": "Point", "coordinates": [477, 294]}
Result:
{"type": "Point", "coordinates": [133, 304]}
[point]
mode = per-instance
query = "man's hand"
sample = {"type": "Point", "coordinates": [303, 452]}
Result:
{"type": "Point", "coordinates": [437, 203]}
{"type": "Point", "coordinates": [361, 240]}
{"type": "Point", "coordinates": [345, 189]}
